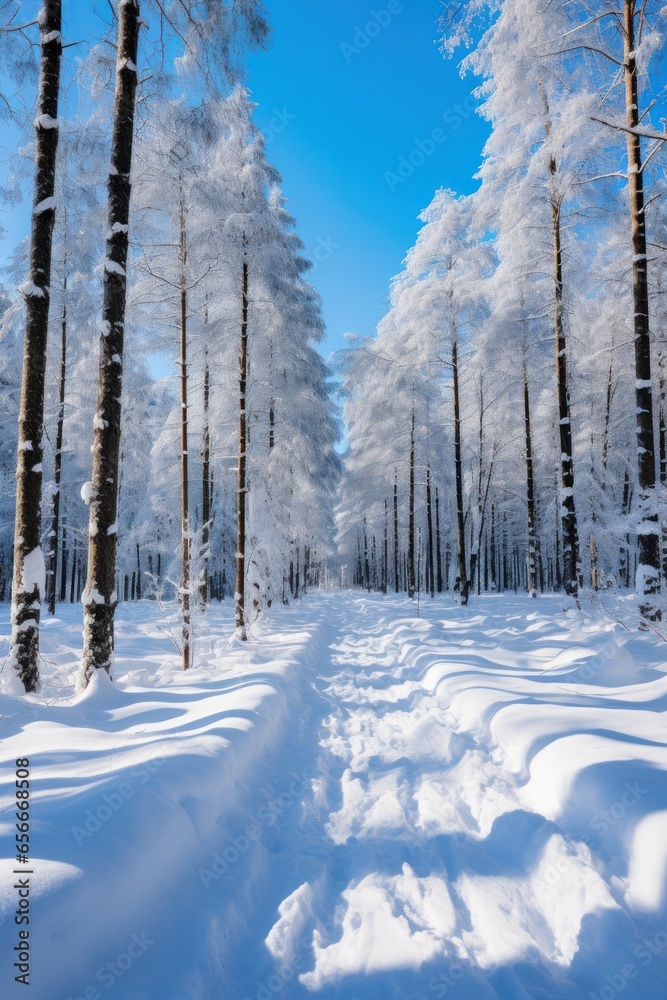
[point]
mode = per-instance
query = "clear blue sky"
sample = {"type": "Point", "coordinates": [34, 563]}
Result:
{"type": "Point", "coordinates": [347, 92]}
{"type": "Point", "coordinates": [341, 107]}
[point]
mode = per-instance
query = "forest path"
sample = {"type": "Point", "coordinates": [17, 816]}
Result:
{"type": "Point", "coordinates": [358, 803]}
{"type": "Point", "coordinates": [412, 854]}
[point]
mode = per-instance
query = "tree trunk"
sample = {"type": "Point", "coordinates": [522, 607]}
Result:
{"type": "Point", "coordinates": [624, 560]}
{"type": "Point", "coordinates": [28, 576]}
{"type": "Point", "coordinates": [385, 554]}
{"type": "Point", "coordinates": [99, 597]}
{"type": "Point", "coordinates": [396, 573]}
{"type": "Point", "coordinates": [429, 521]}
{"type": "Point", "coordinates": [568, 512]}
{"type": "Point", "coordinates": [239, 596]}
{"type": "Point", "coordinates": [55, 503]}
{"type": "Point", "coordinates": [186, 553]}
{"type": "Point", "coordinates": [530, 493]}
{"type": "Point", "coordinates": [205, 489]}
{"type": "Point", "coordinates": [460, 518]}
{"type": "Point", "coordinates": [648, 570]}
{"type": "Point", "coordinates": [476, 541]}
{"type": "Point", "coordinates": [411, 527]}
{"type": "Point", "coordinates": [438, 542]}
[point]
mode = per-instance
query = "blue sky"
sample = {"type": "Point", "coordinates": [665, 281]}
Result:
{"type": "Point", "coordinates": [350, 96]}
{"type": "Point", "coordinates": [348, 92]}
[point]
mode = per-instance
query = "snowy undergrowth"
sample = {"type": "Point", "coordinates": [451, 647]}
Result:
{"type": "Point", "coordinates": [358, 804]}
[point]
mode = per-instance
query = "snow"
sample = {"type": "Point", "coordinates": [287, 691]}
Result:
{"type": "Point", "coordinates": [46, 122]}
{"type": "Point", "coordinates": [34, 572]}
{"type": "Point", "coordinates": [87, 493]}
{"type": "Point", "coordinates": [47, 205]}
{"type": "Point", "coordinates": [30, 290]}
{"type": "Point", "coordinates": [112, 267]}
{"type": "Point", "coordinates": [355, 803]}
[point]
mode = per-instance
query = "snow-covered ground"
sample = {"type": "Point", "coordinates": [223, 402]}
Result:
{"type": "Point", "coordinates": [358, 803]}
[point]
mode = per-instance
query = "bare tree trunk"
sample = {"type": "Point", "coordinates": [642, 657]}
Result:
{"type": "Point", "coordinates": [530, 493]}
{"type": "Point", "coordinates": [99, 597]}
{"type": "Point", "coordinates": [648, 570]}
{"type": "Point", "coordinates": [460, 517]}
{"type": "Point", "coordinates": [438, 541]}
{"type": "Point", "coordinates": [242, 481]}
{"type": "Point", "coordinates": [385, 560]}
{"type": "Point", "coordinates": [494, 585]}
{"type": "Point", "coordinates": [624, 560]}
{"type": "Point", "coordinates": [28, 577]}
{"type": "Point", "coordinates": [58, 464]}
{"type": "Point", "coordinates": [429, 521]}
{"type": "Point", "coordinates": [568, 512]}
{"type": "Point", "coordinates": [186, 573]}
{"type": "Point", "coordinates": [476, 541]}
{"type": "Point", "coordinates": [411, 527]}
{"type": "Point", "coordinates": [396, 573]}
{"type": "Point", "coordinates": [206, 489]}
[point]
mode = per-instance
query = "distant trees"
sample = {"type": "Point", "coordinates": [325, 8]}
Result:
{"type": "Point", "coordinates": [539, 456]}
{"type": "Point", "coordinates": [201, 217]}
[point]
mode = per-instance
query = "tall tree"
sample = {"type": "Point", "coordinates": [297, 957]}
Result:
{"type": "Point", "coordinates": [242, 488]}
{"type": "Point", "coordinates": [99, 597]}
{"type": "Point", "coordinates": [29, 569]}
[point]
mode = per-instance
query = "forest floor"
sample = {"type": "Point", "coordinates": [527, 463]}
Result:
{"type": "Point", "coordinates": [357, 803]}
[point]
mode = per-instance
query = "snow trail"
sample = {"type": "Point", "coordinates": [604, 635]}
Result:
{"type": "Point", "coordinates": [360, 804]}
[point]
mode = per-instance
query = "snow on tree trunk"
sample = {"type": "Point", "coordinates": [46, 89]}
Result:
{"type": "Point", "coordinates": [52, 571]}
{"type": "Point", "coordinates": [29, 576]}
{"type": "Point", "coordinates": [99, 597]}
{"type": "Point", "coordinates": [206, 488]}
{"type": "Point", "coordinates": [530, 493]}
{"type": "Point", "coordinates": [411, 525]}
{"type": "Point", "coordinates": [385, 550]}
{"type": "Point", "coordinates": [567, 512]}
{"type": "Point", "coordinates": [242, 481]}
{"type": "Point", "coordinates": [396, 572]}
{"type": "Point", "coordinates": [429, 521]}
{"type": "Point", "coordinates": [438, 541]}
{"type": "Point", "coordinates": [185, 500]}
{"type": "Point", "coordinates": [648, 570]}
{"type": "Point", "coordinates": [460, 517]}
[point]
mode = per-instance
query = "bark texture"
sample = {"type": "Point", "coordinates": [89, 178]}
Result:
{"type": "Point", "coordinates": [99, 597]}
{"type": "Point", "coordinates": [648, 570]}
{"type": "Point", "coordinates": [242, 481]}
{"type": "Point", "coordinates": [28, 576]}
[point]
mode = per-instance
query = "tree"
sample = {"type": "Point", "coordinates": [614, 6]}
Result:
{"type": "Point", "coordinates": [29, 569]}
{"type": "Point", "coordinates": [100, 598]}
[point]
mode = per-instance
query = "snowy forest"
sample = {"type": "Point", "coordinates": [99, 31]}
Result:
{"type": "Point", "coordinates": [191, 480]}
